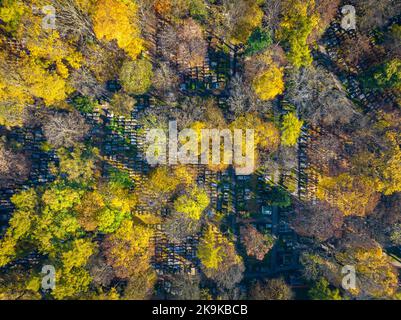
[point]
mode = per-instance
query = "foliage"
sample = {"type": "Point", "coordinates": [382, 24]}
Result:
{"type": "Point", "coordinates": [321, 291]}
{"type": "Point", "coordinates": [192, 204]}
{"type": "Point", "coordinates": [136, 76]}
{"type": "Point", "coordinates": [290, 129]}
{"type": "Point", "coordinates": [256, 243]}
{"type": "Point", "coordinates": [272, 289]}
{"type": "Point", "coordinates": [259, 40]}
{"type": "Point", "coordinates": [118, 20]}
{"type": "Point", "coordinates": [129, 249]}
{"type": "Point", "coordinates": [296, 26]}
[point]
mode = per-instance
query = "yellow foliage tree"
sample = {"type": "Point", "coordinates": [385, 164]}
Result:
{"type": "Point", "coordinates": [117, 20]}
{"type": "Point", "coordinates": [352, 195]}
{"type": "Point", "coordinates": [299, 20]}
{"type": "Point", "coordinates": [129, 249]}
{"type": "Point", "coordinates": [269, 83]}
{"type": "Point", "coordinates": [376, 277]}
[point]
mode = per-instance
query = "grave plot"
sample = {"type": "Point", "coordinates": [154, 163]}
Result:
{"type": "Point", "coordinates": [212, 77]}
{"type": "Point", "coordinates": [333, 39]}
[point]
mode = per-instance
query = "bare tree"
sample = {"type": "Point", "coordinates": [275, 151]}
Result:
{"type": "Point", "coordinates": [72, 22]}
{"type": "Point", "coordinates": [178, 226]}
{"type": "Point", "coordinates": [184, 42]}
{"type": "Point", "coordinates": [318, 220]}
{"type": "Point", "coordinates": [65, 129]}
{"type": "Point", "coordinates": [319, 97]}
{"type": "Point", "coordinates": [165, 81]}
{"type": "Point", "coordinates": [14, 166]}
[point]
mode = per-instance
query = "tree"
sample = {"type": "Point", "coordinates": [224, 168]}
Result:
{"type": "Point", "coordinates": [136, 76]}
{"type": "Point", "coordinates": [209, 249]}
{"type": "Point", "coordinates": [122, 104]}
{"type": "Point", "coordinates": [219, 260]}
{"type": "Point", "coordinates": [371, 14]}
{"type": "Point", "coordinates": [256, 243]}
{"type": "Point", "coordinates": [236, 21]}
{"type": "Point", "coordinates": [118, 20]}
{"type": "Point", "coordinates": [318, 220]}
{"type": "Point", "coordinates": [16, 284]}
{"type": "Point", "coordinates": [193, 203]}
{"type": "Point", "coordinates": [14, 166]}
{"type": "Point", "coordinates": [267, 136]}
{"type": "Point", "coordinates": [11, 12]}
{"type": "Point", "coordinates": [65, 129]}
{"type": "Point", "coordinates": [352, 195]}
{"type": "Point", "coordinates": [376, 278]}
{"type": "Point", "coordinates": [321, 291]}
{"type": "Point", "coordinates": [299, 20]}
{"type": "Point", "coordinates": [73, 20]}
{"type": "Point", "coordinates": [140, 285]}
{"type": "Point", "coordinates": [375, 275]}
{"type": "Point", "coordinates": [77, 165]}
{"type": "Point", "coordinates": [178, 226]}
{"type": "Point", "coordinates": [185, 43]}
{"type": "Point", "coordinates": [165, 81]}
{"type": "Point", "coordinates": [184, 287]}
{"type": "Point", "coordinates": [277, 196]}
{"type": "Point", "coordinates": [129, 249]}
{"type": "Point", "coordinates": [272, 289]}
{"type": "Point", "coordinates": [387, 75]}
{"type": "Point", "coordinates": [259, 40]}
{"type": "Point", "coordinates": [290, 129]}
{"type": "Point", "coordinates": [269, 83]}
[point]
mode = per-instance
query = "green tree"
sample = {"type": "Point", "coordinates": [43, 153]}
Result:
{"type": "Point", "coordinates": [299, 20]}
{"type": "Point", "coordinates": [321, 291]}
{"type": "Point", "coordinates": [136, 76]}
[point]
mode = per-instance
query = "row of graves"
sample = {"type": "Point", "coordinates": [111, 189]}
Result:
{"type": "Point", "coordinates": [31, 140]}
{"type": "Point", "coordinates": [212, 77]}
{"type": "Point", "coordinates": [252, 207]}
{"type": "Point", "coordinates": [208, 79]}
{"type": "Point", "coordinates": [332, 40]}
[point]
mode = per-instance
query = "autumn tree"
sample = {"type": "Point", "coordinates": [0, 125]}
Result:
{"type": "Point", "coordinates": [299, 20]}
{"type": "Point", "coordinates": [237, 21]}
{"type": "Point", "coordinates": [14, 166]}
{"type": "Point", "coordinates": [352, 195]}
{"type": "Point", "coordinates": [122, 104]}
{"type": "Point", "coordinates": [376, 276]}
{"type": "Point", "coordinates": [129, 249]}
{"type": "Point", "coordinates": [268, 83]}
{"type": "Point", "coordinates": [256, 243]}
{"type": "Point", "coordinates": [271, 289]}
{"type": "Point", "coordinates": [290, 129]}
{"type": "Point", "coordinates": [219, 260]}
{"type": "Point", "coordinates": [318, 220]}
{"type": "Point", "coordinates": [193, 203]}
{"type": "Point", "coordinates": [78, 165]}
{"type": "Point", "coordinates": [117, 20]}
